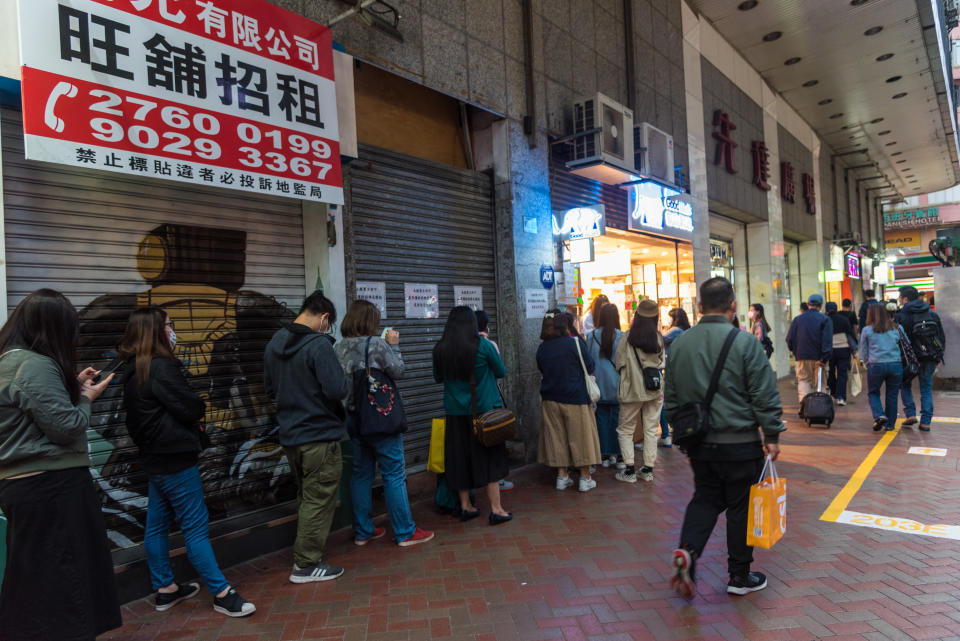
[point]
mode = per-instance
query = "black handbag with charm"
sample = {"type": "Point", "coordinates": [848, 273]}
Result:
{"type": "Point", "coordinates": [377, 406]}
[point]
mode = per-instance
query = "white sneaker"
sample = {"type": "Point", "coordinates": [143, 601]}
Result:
{"type": "Point", "coordinates": [587, 484]}
{"type": "Point", "coordinates": [841, 402]}
{"type": "Point", "coordinates": [621, 465]}
{"type": "Point", "coordinates": [610, 461]}
{"type": "Point", "coordinates": [564, 483]}
{"type": "Point", "coordinates": [626, 478]}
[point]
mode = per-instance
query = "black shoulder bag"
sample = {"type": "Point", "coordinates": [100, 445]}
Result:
{"type": "Point", "coordinates": [378, 409]}
{"type": "Point", "coordinates": [691, 422]}
{"type": "Point", "coordinates": [652, 379]}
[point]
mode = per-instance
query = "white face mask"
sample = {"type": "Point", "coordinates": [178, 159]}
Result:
{"type": "Point", "coordinates": [751, 314]}
{"type": "Point", "coordinates": [172, 335]}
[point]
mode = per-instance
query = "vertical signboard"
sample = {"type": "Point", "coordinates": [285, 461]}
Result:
{"type": "Point", "coordinates": [237, 94]}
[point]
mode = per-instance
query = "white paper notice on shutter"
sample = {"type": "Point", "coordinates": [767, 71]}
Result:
{"type": "Point", "coordinates": [537, 302]}
{"type": "Point", "coordinates": [421, 301]}
{"type": "Point", "coordinates": [236, 94]}
{"type": "Point", "coordinates": [470, 296]}
{"type": "Point", "coordinates": [375, 292]}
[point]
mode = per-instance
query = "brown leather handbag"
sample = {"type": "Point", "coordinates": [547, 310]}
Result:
{"type": "Point", "coordinates": [494, 427]}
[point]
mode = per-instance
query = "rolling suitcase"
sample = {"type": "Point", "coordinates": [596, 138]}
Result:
{"type": "Point", "coordinates": [817, 407]}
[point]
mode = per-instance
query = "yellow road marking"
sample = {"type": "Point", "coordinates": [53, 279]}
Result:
{"type": "Point", "coordinates": [842, 500]}
{"type": "Point", "coordinates": [946, 419]}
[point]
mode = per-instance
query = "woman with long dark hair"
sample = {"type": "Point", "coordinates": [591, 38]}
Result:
{"type": "Point", "coordinates": [164, 420]}
{"type": "Point", "coordinates": [679, 323]}
{"type": "Point", "coordinates": [602, 344]}
{"type": "Point", "coordinates": [463, 359]}
{"type": "Point", "coordinates": [58, 584]}
{"type": "Point", "coordinates": [591, 320]}
{"type": "Point", "coordinates": [760, 328]}
{"type": "Point", "coordinates": [639, 358]}
{"type": "Point", "coordinates": [568, 428]}
{"type": "Point", "coordinates": [880, 351]}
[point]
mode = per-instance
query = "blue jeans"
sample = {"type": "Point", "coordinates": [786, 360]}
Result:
{"type": "Point", "coordinates": [179, 495]}
{"type": "Point", "coordinates": [664, 429]}
{"type": "Point", "coordinates": [877, 375]}
{"type": "Point", "coordinates": [839, 373]}
{"type": "Point", "coordinates": [387, 454]}
{"type": "Point", "coordinates": [925, 376]}
{"type": "Point", "coordinates": [608, 417]}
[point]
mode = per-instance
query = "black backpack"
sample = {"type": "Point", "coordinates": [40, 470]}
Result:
{"type": "Point", "coordinates": [925, 335]}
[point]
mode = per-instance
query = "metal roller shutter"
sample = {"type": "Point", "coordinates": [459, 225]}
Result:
{"type": "Point", "coordinates": [224, 264]}
{"type": "Point", "coordinates": [568, 190]}
{"type": "Point", "coordinates": [415, 221]}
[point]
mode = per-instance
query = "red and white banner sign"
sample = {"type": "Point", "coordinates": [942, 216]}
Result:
{"type": "Point", "coordinates": [232, 93]}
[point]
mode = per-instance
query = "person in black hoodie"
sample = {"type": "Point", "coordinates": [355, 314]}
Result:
{"type": "Point", "coordinates": [925, 331]}
{"type": "Point", "coordinates": [164, 420]}
{"type": "Point", "coordinates": [304, 377]}
{"type": "Point", "coordinates": [844, 344]}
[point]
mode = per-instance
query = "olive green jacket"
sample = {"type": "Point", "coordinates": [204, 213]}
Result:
{"type": "Point", "coordinates": [40, 428]}
{"type": "Point", "coordinates": [747, 396]}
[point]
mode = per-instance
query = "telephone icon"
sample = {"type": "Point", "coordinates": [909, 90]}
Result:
{"type": "Point", "coordinates": [50, 119]}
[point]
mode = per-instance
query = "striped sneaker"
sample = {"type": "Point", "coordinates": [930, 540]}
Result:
{"type": "Point", "coordinates": [319, 572]}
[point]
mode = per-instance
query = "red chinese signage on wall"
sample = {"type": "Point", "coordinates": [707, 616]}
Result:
{"type": "Point", "coordinates": [761, 165]}
{"type": "Point", "coordinates": [788, 190]}
{"type": "Point", "coordinates": [809, 194]}
{"type": "Point", "coordinates": [725, 144]}
{"type": "Point", "coordinates": [237, 94]}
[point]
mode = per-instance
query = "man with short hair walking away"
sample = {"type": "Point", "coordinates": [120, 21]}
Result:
{"type": "Point", "coordinates": [810, 338]}
{"type": "Point", "coordinates": [745, 426]}
{"type": "Point", "coordinates": [303, 375]}
{"type": "Point", "coordinates": [925, 331]}
{"type": "Point", "coordinates": [871, 299]}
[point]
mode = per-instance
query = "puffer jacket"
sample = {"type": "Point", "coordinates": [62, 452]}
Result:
{"type": "Point", "coordinates": [163, 415]}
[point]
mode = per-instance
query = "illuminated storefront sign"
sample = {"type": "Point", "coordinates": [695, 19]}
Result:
{"type": "Point", "coordinates": [881, 273]}
{"type": "Point", "coordinates": [581, 222]}
{"type": "Point", "coordinates": [656, 208]}
{"type": "Point", "coordinates": [853, 266]}
{"type": "Point", "coordinates": [833, 276]}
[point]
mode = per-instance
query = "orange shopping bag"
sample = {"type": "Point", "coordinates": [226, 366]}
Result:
{"type": "Point", "coordinates": [768, 508]}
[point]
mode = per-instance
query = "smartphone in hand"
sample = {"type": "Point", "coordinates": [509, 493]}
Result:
{"type": "Point", "coordinates": [114, 366]}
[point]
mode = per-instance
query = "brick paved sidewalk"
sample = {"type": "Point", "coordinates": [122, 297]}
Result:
{"type": "Point", "coordinates": [594, 566]}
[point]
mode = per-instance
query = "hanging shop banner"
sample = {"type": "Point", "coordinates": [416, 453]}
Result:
{"type": "Point", "coordinates": [374, 292]}
{"type": "Point", "coordinates": [421, 301]}
{"type": "Point", "coordinates": [470, 296]}
{"type": "Point", "coordinates": [237, 94]}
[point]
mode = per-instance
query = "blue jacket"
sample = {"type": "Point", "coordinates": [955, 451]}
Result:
{"type": "Point", "coordinates": [811, 336]}
{"type": "Point", "coordinates": [608, 378]}
{"type": "Point", "coordinates": [864, 306]}
{"type": "Point", "coordinates": [880, 348]}
{"type": "Point", "coordinates": [670, 336]}
{"type": "Point", "coordinates": [559, 364]}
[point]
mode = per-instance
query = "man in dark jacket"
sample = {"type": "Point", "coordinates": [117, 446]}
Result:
{"type": "Point", "coordinates": [730, 457]}
{"type": "Point", "coordinates": [844, 341]}
{"type": "Point", "coordinates": [810, 338]}
{"type": "Point", "coordinates": [850, 315]}
{"type": "Point", "coordinates": [303, 376]}
{"type": "Point", "coordinates": [925, 331]}
{"type": "Point", "coordinates": [871, 300]}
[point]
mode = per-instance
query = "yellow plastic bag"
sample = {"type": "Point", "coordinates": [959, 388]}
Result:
{"type": "Point", "coordinates": [768, 508]}
{"type": "Point", "coordinates": [437, 435]}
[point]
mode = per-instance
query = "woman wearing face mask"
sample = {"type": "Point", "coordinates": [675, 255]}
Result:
{"type": "Point", "coordinates": [760, 328]}
{"type": "Point", "coordinates": [163, 419]}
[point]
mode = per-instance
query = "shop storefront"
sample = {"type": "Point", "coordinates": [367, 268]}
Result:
{"type": "Point", "coordinates": [645, 250]}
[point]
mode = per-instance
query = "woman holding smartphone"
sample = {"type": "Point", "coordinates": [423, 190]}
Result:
{"type": "Point", "coordinates": [163, 419]}
{"type": "Point", "coordinates": [58, 584]}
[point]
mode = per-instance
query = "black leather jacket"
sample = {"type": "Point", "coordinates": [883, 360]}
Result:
{"type": "Point", "coordinates": [163, 415]}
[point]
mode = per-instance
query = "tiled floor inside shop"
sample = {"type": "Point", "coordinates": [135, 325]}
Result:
{"type": "Point", "coordinates": [595, 566]}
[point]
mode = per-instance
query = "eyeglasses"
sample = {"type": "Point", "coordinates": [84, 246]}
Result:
{"type": "Point", "coordinates": [169, 324]}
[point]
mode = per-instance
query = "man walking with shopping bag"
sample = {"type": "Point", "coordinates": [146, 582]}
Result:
{"type": "Point", "coordinates": [721, 398]}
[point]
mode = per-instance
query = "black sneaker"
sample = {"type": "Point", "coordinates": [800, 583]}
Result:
{"type": "Point", "coordinates": [184, 591]}
{"type": "Point", "coordinates": [319, 572]}
{"type": "Point", "coordinates": [683, 580]}
{"type": "Point", "coordinates": [910, 422]}
{"type": "Point", "coordinates": [879, 423]}
{"type": "Point", "coordinates": [752, 582]}
{"type": "Point", "coordinates": [233, 605]}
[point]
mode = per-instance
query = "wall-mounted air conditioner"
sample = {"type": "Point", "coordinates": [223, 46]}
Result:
{"type": "Point", "coordinates": [654, 152]}
{"type": "Point", "coordinates": [607, 154]}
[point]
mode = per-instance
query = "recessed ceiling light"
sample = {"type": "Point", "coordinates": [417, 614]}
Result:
{"type": "Point", "coordinates": [914, 181]}
{"type": "Point", "coordinates": [773, 35]}
{"type": "Point", "coordinates": [792, 61]}
{"type": "Point", "coordinates": [876, 120]}
{"type": "Point", "coordinates": [899, 95]}
{"type": "Point", "coordinates": [885, 56]}
{"type": "Point", "coordinates": [747, 5]}
{"type": "Point", "coordinates": [896, 153]}
{"type": "Point", "coordinates": [890, 144]}
{"type": "Point", "coordinates": [836, 115]}
{"type": "Point", "coordinates": [894, 78]}
{"type": "Point", "coordinates": [901, 161]}
{"type": "Point", "coordinates": [883, 133]}
{"type": "Point", "coordinates": [872, 31]}
{"type": "Point", "coordinates": [810, 83]}
{"type": "Point", "coordinates": [857, 3]}
{"type": "Point", "coordinates": [845, 127]}
{"type": "Point", "coordinates": [825, 101]}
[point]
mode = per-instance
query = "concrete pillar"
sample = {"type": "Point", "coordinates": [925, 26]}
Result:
{"type": "Point", "coordinates": [811, 270]}
{"type": "Point", "coordinates": [946, 282]}
{"type": "Point", "coordinates": [324, 265]}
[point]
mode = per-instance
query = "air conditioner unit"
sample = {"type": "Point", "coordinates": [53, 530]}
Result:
{"type": "Point", "coordinates": [605, 155]}
{"type": "Point", "coordinates": [654, 152]}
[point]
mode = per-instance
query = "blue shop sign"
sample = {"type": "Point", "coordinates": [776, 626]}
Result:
{"type": "Point", "coordinates": [546, 276]}
{"type": "Point", "coordinates": [654, 208]}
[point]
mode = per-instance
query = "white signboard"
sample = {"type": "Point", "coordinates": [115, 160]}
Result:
{"type": "Point", "coordinates": [421, 301]}
{"type": "Point", "coordinates": [237, 94]}
{"type": "Point", "coordinates": [468, 295]}
{"type": "Point", "coordinates": [375, 292]}
{"type": "Point", "coordinates": [537, 303]}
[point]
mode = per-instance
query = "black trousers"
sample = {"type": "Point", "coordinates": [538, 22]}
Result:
{"type": "Point", "coordinates": [721, 486]}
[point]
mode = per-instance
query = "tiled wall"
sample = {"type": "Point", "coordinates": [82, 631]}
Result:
{"type": "Point", "coordinates": [797, 222]}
